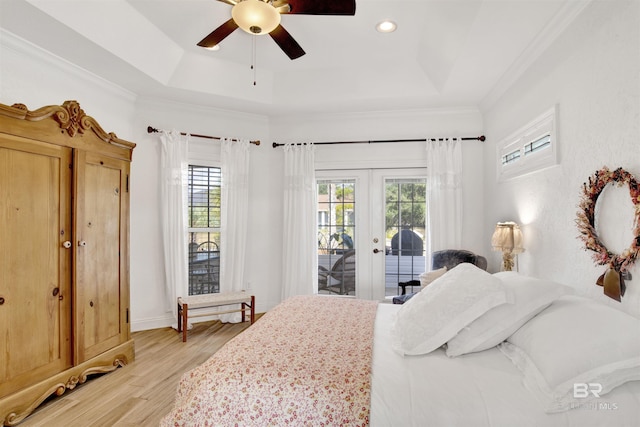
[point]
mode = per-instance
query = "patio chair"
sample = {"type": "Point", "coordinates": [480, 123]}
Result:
{"type": "Point", "coordinates": [341, 279]}
{"type": "Point", "coordinates": [204, 268]}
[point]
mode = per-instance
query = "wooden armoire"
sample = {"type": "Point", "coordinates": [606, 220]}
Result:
{"type": "Point", "coordinates": [64, 254]}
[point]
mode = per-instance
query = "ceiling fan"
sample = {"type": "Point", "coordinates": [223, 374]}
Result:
{"type": "Point", "coordinates": [259, 17]}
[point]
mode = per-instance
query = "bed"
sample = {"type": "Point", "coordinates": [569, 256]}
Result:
{"type": "Point", "coordinates": [528, 353]}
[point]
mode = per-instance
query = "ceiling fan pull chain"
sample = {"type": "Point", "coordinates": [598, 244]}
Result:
{"type": "Point", "coordinates": [253, 58]}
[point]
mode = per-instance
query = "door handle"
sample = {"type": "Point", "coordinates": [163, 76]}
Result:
{"type": "Point", "coordinates": [376, 250]}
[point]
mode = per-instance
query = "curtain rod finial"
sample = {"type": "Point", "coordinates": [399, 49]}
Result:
{"type": "Point", "coordinates": [151, 129]}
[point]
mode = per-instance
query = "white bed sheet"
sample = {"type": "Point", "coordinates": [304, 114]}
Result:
{"type": "Point", "coordinates": [474, 390]}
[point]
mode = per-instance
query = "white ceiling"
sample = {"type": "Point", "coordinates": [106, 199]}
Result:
{"type": "Point", "coordinates": [444, 54]}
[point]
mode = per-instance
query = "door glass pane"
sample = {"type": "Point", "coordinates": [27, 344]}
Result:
{"type": "Point", "coordinates": [405, 221]}
{"type": "Point", "coordinates": [336, 232]}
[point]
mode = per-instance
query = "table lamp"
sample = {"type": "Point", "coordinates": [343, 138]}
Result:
{"type": "Point", "coordinates": [507, 238]}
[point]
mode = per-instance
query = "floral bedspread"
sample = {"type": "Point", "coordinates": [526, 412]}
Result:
{"type": "Point", "coordinates": [306, 362]}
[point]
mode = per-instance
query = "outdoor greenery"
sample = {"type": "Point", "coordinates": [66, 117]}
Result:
{"type": "Point", "coordinates": [405, 208]}
{"type": "Point", "coordinates": [205, 213]}
{"type": "Point", "coordinates": [204, 201]}
{"type": "Point", "coordinates": [340, 207]}
{"type": "Point", "coordinates": [405, 205]}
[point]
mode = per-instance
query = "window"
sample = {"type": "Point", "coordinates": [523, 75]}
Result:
{"type": "Point", "coordinates": [538, 144]}
{"type": "Point", "coordinates": [510, 157]}
{"type": "Point", "coordinates": [203, 210]}
{"type": "Point", "coordinates": [531, 148]}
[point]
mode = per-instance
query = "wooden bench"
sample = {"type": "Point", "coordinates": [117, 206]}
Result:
{"type": "Point", "coordinates": [201, 302]}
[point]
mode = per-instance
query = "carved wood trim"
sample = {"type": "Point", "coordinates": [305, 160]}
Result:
{"type": "Point", "coordinates": [68, 380]}
{"type": "Point", "coordinates": [117, 363]}
{"type": "Point", "coordinates": [70, 117]}
{"type": "Point", "coordinates": [59, 388]}
{"type": "Point", "coordinates": [15, 418]}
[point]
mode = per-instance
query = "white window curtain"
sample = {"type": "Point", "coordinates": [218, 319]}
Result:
{"type": "Point", "coordinates": [300, 246]}
{"type": "Point", "coordinates": [444, 195]}
{"type": "Point", "coordinates": [174, 152]}
{"type": "Point", "coordinates": [234, 218]}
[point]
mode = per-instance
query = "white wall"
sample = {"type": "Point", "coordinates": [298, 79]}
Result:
{"type": "Point", "coordinates": [148, 304]}
{"type": "Point", "coordinates": [264, 261]}
{"type": "Point", "coordinates": [408, 124]}
{"type": "Point", "coordinates": [36, 78]}
{"type": "Point", "coordinates": [32, 76]}
{"type": "Point", "coordinates": [592, 73]}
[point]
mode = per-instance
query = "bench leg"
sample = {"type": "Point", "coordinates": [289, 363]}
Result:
{"type": "Point", "coordinates": [252, 311]}
{"type": "Point", "coordinates": [179, 317]}
{"type": "Point", "coordinates": [184, 319]}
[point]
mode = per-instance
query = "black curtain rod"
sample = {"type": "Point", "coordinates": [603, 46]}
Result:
{"type": "Point", "coordinates": [471, 138]}
{"type": "Point", "coordinates": [151, 129]}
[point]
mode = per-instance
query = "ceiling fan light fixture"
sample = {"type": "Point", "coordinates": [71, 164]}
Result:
{"type": "Point", "coordinates": [386, 26]}
{"type": "Point", "coordinates": [255, 16]}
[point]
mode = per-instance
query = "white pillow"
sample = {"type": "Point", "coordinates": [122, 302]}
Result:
{"type": "Point", "coordinates": [530, 296]}
{"type": "Point", "coordinates": [448, 304]}
{"type": "Point", "coordinates": [429, 276]}
{"type": "Point", "coordinates": [575, 351]}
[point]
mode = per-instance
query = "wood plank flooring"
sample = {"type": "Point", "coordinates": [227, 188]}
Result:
{"type": "Point", "coordinates": [141, 393]}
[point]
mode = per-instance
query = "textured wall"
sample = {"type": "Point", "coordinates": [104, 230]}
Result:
{"type": "Point", "coordinates": [592, 73]}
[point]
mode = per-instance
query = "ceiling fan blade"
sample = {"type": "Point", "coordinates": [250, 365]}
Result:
{"type": "Point", "coordinates": [327, 7]}
{"type": "Point", "coordinates": [230, 2]}
{"type": "Point", "coordinates": [286, 42]}
{"type": "Point", "coordinates": [219, 34]}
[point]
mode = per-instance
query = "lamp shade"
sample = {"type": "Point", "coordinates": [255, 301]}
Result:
{"type": "Point", "coordinates": [507, 237]}
{"type": "Point", "coordinates": [255, 16]}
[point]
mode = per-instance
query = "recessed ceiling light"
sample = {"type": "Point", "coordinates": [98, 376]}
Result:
{"type": "Point", "coordinates": [386, 26]}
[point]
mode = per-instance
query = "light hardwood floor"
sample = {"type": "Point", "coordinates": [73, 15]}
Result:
{"type": "Point", "coordinates": [141, 393]}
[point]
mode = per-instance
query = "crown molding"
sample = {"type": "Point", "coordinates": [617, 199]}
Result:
{"type": "Point", "coordinates": [164, 104]}
{"type": "Point", "coordinates": [417, 113]}
{"type": "Point", "coordinates": [29, 50]}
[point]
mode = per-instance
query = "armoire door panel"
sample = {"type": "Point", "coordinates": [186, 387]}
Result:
{"type": "Point", "coordinates": [35, 267]}
{"type": "Point", "coordinates": [98, 231]}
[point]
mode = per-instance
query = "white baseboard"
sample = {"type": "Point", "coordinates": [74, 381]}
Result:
{"type": "Point", "coordinates": [152, 323]}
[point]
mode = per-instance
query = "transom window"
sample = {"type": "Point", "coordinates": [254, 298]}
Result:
{"type": "Point", "coordinates": [529, 149]}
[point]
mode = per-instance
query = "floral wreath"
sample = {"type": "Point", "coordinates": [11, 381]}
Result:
{"type": "Point", "coordinates": [586, 219]}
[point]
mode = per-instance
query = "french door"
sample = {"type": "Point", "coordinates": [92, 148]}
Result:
{"type": "Point", "coordinates": [371, 230]}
